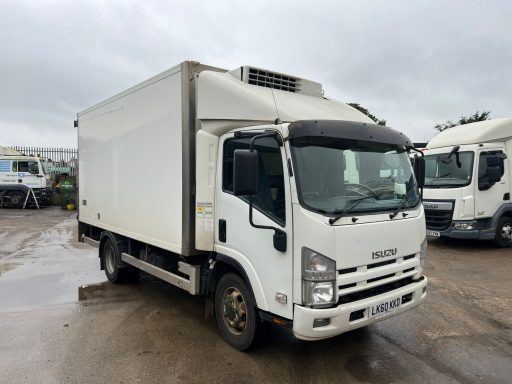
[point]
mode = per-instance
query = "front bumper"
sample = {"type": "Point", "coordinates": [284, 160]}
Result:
{"type": "Point", "coordinates": [303, 317]}
{"type": "Point", "coordinates": [477, 234]}
{"type": "Point", "coordinates": [43, 196]}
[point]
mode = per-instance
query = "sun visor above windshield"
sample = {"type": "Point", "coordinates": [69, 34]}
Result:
{"type": "Point", "coordinates": [351, 130]}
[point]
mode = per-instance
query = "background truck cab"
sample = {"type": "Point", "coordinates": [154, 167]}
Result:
{"type": "Point", "coordinates": [28, 171]}
{"type": "Point", "coordinates": [468, 182]}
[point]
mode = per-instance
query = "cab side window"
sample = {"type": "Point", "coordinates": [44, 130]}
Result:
{"type": "Point", "coordinates": [15, 166]}
{"type": "Point", "coordinates": [482, 165]}
{"type": "Point", "coordinates": [482, 168]}
{"type": "Point", "coordinates": [270, 199]}
{"type": "Point", "coordinates": [28, 166]}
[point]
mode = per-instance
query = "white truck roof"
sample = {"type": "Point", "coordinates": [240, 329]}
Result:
{"type": "Point", "coordinates": [5, 151]}
{"type": "Point", "coordinates": [474, 133]}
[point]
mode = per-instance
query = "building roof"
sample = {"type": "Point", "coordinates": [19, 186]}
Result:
{"type": "Point", "coordinates": [474, 133]}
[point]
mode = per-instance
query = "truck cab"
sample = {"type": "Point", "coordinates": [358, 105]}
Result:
{"type": "Point", "coordinates": [21, 171]}
{"type": "Point", "coordinates": [468, 182]}
{"type": "Point", "coordinates": [329, 190]}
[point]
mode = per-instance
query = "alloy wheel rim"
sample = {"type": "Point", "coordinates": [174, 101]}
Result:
{"type": "Point", "coordinates": [506, 232]}
{"type": "Point", "coordinates": [234, 311]}
{"type": "Point", "coordinates": [109, 260]}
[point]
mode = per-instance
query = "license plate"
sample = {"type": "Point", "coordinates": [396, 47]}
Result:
{"type": "Point", "coordinates": [385, 307]}
{"type": "Point", "coordinates": [433, 233]}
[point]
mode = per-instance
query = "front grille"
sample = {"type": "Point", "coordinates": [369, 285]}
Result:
{"type": "Point", "coordinates": [365, 278]}
{"type": "Point", "coordinates": [387, 262]}
{"type": "Point", "coordinates": [361, 295]}
{"type": "Point", "coordinates": [272, 80]}
{"type": "Point", "coordinates": [347, 270]}
{"type": "Point", "coordinates": [381, 277]}
{"type": "Point", "coordinates": [438, 220]}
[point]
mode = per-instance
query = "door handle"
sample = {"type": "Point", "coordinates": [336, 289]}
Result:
{"type": "Point", "coordinates": [222, 230]}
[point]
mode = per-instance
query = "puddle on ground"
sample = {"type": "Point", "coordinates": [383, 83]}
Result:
{"type": "Point", "coordinates": [93, 291]}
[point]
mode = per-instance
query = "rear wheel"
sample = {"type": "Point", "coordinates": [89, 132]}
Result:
{"type": "Point", "coordinates": [111, 260]}
{"type": "Point", "coordinates": [235, 310]}
{"type": "Point", "coordinates": [503, 237]}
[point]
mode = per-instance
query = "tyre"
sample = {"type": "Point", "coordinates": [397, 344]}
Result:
{"type": "Point", "coordinates": [235, 310]}
{"type": "Point", "coordinates": [15, 199]}
{"type": "Point", "coordinates": [503, 237]}
{"type": "Point", "coordinates": [111, 258]}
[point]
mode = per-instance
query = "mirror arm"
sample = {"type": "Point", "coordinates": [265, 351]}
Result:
{"type": "Point", "coordinates": [267, 134]}
{"type": "Point", "coordinates": [277, 232]}
{"type": "Point", "coordinates": [250, 218]}
{"type": "Point", "coordinates": [417, 150]}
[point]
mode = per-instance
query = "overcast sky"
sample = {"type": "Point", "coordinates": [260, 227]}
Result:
{"type": "Point", "coordinates": [413, 63]}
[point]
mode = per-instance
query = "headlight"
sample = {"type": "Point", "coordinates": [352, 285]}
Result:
{"type": "Point", "coordinates": [465, 225]}
{"type": "Point", "coordinates": [423, 253]}
{"type": "Point", "coordinates": [318, 279]}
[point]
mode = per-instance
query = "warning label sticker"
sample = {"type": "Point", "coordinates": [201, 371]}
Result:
{"type": "Point", "coordinates": [208, 225]}
{"type": "Point", "coordinates": [204, 209]}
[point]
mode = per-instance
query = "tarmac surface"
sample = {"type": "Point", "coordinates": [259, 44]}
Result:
{"type": "Point", "coordinates": [151, 332]}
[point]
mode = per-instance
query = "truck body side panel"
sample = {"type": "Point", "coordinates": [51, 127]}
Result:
{"type": "Point", "coordinates": [128, 184]}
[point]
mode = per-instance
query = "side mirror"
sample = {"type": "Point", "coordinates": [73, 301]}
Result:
{"type": "Point", "coordinates": [245, 172]}
{"type": "Point", "coordinates": [280, 240]}
{"type": "Point", "coordinates": [493, 161]}
{"type": "Point", "coordinates": [493, 174]}
{"type": "Point", "coordinates": [419, 171]}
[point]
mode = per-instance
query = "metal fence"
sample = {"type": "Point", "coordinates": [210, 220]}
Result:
{"type": "Point", "coordinates": [59, 160]}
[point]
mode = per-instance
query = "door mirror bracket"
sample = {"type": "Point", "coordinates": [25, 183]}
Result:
{"type": "Point", "coordinates": [245, 184]}
{"type": "Point", "coordinates": [279, 235]}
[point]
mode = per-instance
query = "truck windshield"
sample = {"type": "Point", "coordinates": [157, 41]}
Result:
{"type": "Point", "coordinates": [333, 174]}
{"type": "Point", "coordinates": [441, 172]}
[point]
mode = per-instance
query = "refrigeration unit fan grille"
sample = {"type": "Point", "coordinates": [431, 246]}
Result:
{"type": "Point", "coordinates": [272, 80]}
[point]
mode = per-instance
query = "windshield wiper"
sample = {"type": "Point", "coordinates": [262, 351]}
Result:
{"type": "Point", "coordinates": [400, 207]}
{"type": "Point", "coordinates": [334, 219]}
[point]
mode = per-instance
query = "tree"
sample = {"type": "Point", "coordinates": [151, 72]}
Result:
{"type": "Point", "coordinates": [477, 116]}
{"type": "Point", "coordinates": [362, 109]}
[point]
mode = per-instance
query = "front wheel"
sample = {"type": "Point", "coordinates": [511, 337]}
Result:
{"type": "Point", "coordinates": [15, 199]}
{"type": "Point", "coordinates": [235, 310]}
{"type": "Point", "coordinates": [503, 237]}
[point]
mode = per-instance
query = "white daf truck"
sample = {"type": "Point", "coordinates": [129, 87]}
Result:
{"type": "Point", "coordinates": [468, 182]}
{"type": "Point", "coordinates": [19, 174]}
{"type": "Point", "coordinates": [256, 191]}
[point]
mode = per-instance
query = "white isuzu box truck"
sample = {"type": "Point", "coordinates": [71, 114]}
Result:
{"type": "Point", "coordinates": [253, 189]}
{"type": "Point", "coordinates": [468, 183]}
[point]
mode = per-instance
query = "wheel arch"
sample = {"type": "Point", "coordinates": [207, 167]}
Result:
{"type": "Point", "coordinates": [225, 264]}
{"type": "Point", "coordinates": [505, 210]}
{"type": "Point", "coordinates": [119, 244]}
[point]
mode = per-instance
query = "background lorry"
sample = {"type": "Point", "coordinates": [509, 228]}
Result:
{"type": "Point", "coordinates": [468, 182]}
{"type": "Point", "coordinates": [19, 174]}
{"type": "Point", "coordinates": [253, 189]}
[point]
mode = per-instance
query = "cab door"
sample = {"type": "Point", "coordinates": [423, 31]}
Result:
{"type": "Point", "coordinates": [269, 270]}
